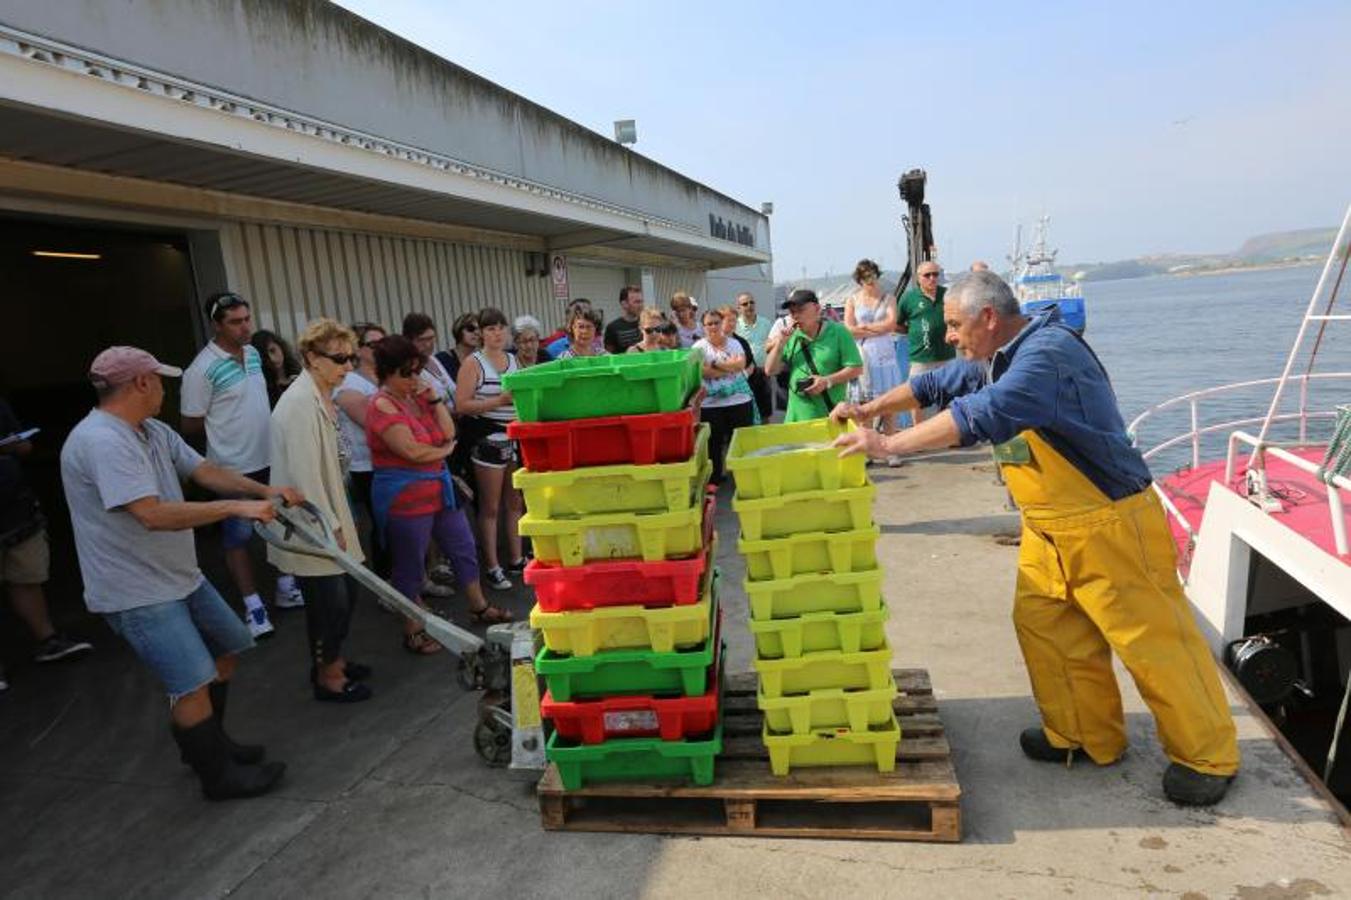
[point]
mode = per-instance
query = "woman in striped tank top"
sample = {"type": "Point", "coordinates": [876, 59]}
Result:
{"type": "Point", "coordinates": [487, 410]}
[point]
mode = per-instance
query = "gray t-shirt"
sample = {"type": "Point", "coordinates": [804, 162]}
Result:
{"type": "Point", "coordinates": [106, 464]}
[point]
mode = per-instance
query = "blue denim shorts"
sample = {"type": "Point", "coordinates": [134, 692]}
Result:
{"type": "Point", "coordinates": [236, 533]}
{"type": "Point", "coordinates": [180, 640]}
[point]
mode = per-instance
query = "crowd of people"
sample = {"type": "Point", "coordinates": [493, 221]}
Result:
{"type": "Point", "coordinates": [398, 439]}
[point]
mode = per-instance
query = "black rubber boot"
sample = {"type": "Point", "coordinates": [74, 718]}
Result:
{"type": "Point", "coordinates": [1187, 787]}
{"type": "Point", "coordinates": [240, 753]}
{"type": "Point", "coordinates": [1037, 746]}
{"type": "Point", "coordinates": [222, 778]}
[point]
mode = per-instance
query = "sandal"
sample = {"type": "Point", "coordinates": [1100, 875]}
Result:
{"type": "Point", "coordinates": [420, 643]}
{"type": "Point", "coordinates": [491, 615]}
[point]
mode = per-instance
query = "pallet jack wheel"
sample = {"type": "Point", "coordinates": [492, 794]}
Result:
{"type": "Point", "coordinates": [492, 741]}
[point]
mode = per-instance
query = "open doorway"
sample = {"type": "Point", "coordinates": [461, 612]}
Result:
{"type": "Point", "coordinates": [70, 290]}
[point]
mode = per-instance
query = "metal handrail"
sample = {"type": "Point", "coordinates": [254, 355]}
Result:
{"type": "Point", "coordinates": [1335, 484]}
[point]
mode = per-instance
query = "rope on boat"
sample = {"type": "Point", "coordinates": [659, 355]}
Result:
{"type": "Point", "coordinates": [1337, 460]}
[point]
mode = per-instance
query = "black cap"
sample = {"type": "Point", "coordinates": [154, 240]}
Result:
{"type": "Point", "coordinates": [799, 297]}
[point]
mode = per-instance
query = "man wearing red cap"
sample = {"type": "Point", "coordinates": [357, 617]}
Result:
{"type": "Point", "coordinates": [121, 469]}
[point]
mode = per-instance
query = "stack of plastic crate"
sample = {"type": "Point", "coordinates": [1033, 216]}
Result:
{"type": "Point", "coordinates": [614, 479]}
{"type": "Point", "coordinates": [815, 591]}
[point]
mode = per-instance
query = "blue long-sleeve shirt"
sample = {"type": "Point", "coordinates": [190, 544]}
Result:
{"type": "Point", "coordinates": [1046, 379]}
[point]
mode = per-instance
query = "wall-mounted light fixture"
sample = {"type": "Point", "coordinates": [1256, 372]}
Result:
{"type": "Point", "coordinates": [626, 131]}
{"type": "Point", "coordinates": [64, 254]}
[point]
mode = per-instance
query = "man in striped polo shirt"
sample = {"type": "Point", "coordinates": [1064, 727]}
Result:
{"type": "Point", "coordinates": [225, 397]}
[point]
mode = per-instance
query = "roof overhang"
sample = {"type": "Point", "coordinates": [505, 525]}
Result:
{"type": "Point", "coordinates": [68, 107]}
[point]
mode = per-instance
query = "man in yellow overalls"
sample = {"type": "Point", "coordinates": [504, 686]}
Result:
{"type": "Point", "coordinates": [1097, 565]}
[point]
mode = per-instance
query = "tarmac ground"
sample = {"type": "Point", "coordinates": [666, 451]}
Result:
{"type": "Point", "coordinates": [388, 799]}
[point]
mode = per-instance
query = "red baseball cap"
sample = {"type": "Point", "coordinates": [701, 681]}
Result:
{"type": "Point", "coordinates": [118, 365]}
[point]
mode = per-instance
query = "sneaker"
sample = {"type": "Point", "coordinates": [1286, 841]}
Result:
{"type": "Point", "coordinates": [442, 573]}
{"type": "Point", "coordinates": [291, 599]}
{"type": "Point", "coordinates": [895, 462]}
{"type": "Point", "coordinates": [58, 646]}
{"type": "Point", "coordinates": [1187, 787]}
{"type": "Point", "coordinates": [432, 588]}
{"type": "Point", "coordinates": [260, 626]}
{"type": "Point", "coordinates": [497, 579]}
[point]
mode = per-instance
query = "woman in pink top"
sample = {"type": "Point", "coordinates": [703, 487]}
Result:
{"type": "Point", "coordinates": [410, 433]}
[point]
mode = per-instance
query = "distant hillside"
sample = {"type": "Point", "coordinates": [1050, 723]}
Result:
{"type": "Point", "coordinates": [1279, 248]}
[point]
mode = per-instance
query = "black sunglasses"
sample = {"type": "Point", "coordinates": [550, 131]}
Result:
{"type": "Point", "coordinates": [341, 359]}
{"type": "Point", "coordinates": [660, 329]}
{"type": "Point", "coordinates": [928, 275]}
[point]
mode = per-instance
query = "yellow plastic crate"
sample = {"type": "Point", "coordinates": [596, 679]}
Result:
{"type": "Point", "coordinates": [855, 710]}
{"type": "Point", "coordinates": [626, 627]}
{"type": "Point", "coordinates": [817, 551]}
{"type": "Point", "coordinates": [648, 536]}
{"type": "Point", "coordinates": [824, 592]}
{"type": "Point", "coordinates": [847, 509]}
{"type": "Point", "coordinates": [595, 490]}
{"type": "Point", "coordinates": [834, 747]}
{"type": "Point", "coordinates": [816, 631]}
{"type": "Point", "coordinates": [866, 669]}
{"type": "Point", "coordinates": [805, 461]}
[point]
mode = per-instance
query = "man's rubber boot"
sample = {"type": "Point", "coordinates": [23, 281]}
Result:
{"type": "Point", "coordinates": [240, 753]}
{"type": "Point", "coordinates": [1187, 787]}
{"type": "Point", "coordinates": [1037, 746]}
{"type": "Point", "coordinates": [222, 778]}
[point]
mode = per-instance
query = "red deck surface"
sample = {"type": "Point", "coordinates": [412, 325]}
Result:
{"type": "Point", "coordinates": [1302, 495]}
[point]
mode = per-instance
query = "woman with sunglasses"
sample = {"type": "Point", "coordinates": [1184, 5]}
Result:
{"type": "Point", "coordinates": [684, 307]}
{"type": "Point", "coordinates": [352, 397]}
{"type": "Point", "coordinates": [583, 325]}
{"type": "Point", "coordinates": [310, 451]}
{"type": "Point", "coordinates": [655, 329]}
{"type": "Point", "coordinates": [486, 410]}
{"type": "Point", "coordinates": [468, 336]}
{"type": "Point", "coordinates": [411, 434]}
{"type": "Point", "coordinates": [729, 403]}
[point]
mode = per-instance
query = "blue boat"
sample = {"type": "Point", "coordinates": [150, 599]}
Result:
{"type": "Point", "coordinates": [1038, 285]}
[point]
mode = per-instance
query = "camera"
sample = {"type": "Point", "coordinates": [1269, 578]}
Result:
{"type": "Point", "coordinates": [800, 387]}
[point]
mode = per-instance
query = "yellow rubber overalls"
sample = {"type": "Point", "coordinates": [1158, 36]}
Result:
{"type": "Point", "coordinates": [1097, 575]}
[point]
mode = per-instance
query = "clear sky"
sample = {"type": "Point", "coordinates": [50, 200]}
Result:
{"type": "Point", "coordinates": [1138, 127]}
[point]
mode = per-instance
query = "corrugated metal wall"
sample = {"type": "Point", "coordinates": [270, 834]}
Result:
{"type": "Point", "coordinates": [668, 281]}
{"type": "Point", "coordinates": [292, 275]}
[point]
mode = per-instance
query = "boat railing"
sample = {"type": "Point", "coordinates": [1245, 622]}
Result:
{"type": "Point", "coordinates": [1192, 402]}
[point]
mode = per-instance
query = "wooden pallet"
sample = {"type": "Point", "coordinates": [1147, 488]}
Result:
{"type": "Point", "coordinates": [919, 801]}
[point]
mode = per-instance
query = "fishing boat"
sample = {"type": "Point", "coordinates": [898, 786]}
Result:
{"type": "Point", "coordinates": [1038, 285]}
{"type": "Point", "coordinates": [1261, 529]}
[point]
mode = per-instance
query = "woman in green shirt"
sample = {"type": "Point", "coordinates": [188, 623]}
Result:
{"type": "Point", "coordinates": [820, 355]}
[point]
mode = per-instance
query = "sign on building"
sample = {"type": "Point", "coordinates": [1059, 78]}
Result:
{"type": "Point", "coordinates": [558, 271]}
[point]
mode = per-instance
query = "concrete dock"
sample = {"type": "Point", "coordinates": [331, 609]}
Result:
{"type": "Point", "coordinates": [387, 798]}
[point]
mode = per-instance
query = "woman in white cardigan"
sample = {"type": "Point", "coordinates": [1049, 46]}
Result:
{"type": "Point", "coordinates": [310, 452]}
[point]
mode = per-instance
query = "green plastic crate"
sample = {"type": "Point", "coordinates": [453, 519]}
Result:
{"type": "Point", "coordinates": [610, 672]}
{"type": "Point", "coordinates": [846, 509]}
{"type": "Point", "coordinates": [866, 669]}
{"type": "Point", "coordinates": [588, 387]}
{"type": "Point", "coordinates": [813, 467]}
{"type": "Point", "coordinates": [817, 551]}
{"type": "Point", "coordinates": [816, 631]}
{"type": "Point", "coordinates": [668, 487]}
{"type": "Point", "coordinates": [833, 708]}
{"type": "Point", "coordinates": [650, 537]}
{"type": "Point", "coordinates": [634, 759]}
{"type": "Point", "coordinates": [818, 592]}
{"type": "Point", "coordinates": [834, 747]}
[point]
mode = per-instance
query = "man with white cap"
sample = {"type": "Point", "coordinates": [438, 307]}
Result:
{"type": "Point", "coordinates": [121, 469]}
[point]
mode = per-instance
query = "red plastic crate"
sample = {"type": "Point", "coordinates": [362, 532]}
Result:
{"type": "Point", "coordinates": [625, 582]}
{"type": "Point", "coordinates": [605, 718]}
{"type": "Point", "coordinates": [607, 441]}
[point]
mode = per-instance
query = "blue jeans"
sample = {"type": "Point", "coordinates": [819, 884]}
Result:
{"type": "Point", "coordinates": [181, 640]}
{"type": "Point", "coordinates": [236, 533]}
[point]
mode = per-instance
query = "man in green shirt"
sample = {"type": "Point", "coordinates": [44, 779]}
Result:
{"type": "Point", "coordinates": [919, 314]}
{"type": "Point", "coordinates": [820, 355]}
